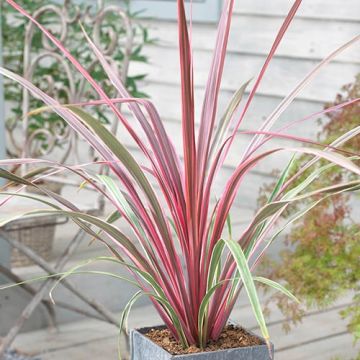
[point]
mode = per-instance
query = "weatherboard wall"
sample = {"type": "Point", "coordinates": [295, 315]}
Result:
{"type": "Point", "coordinates": [317, 30]}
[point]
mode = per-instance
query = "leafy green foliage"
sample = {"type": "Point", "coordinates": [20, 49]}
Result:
{"type": "Point", "coordinates": [321, 262]}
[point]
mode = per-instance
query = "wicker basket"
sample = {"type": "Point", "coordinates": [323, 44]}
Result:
{"type": "Point", "coordinates": [37, 233]}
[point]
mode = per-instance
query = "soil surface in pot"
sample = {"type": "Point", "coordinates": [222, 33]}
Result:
{"type": "Point", "coordinates": [231, 337]}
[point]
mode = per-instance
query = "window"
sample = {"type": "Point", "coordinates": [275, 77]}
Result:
{"type": "Point", "coordinates": [203, 10]}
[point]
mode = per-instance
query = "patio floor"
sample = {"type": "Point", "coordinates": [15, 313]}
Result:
{"type": "Point", "coordinates": [321, 336]}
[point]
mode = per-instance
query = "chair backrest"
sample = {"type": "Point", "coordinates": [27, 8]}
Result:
{"type": "Point", "coordinates": [50, 135]}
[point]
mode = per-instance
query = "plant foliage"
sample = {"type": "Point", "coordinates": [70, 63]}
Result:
{"type": "Point", "coordinates": [189, 268]}
{"type": "Point", "coordinates": [325, 242]}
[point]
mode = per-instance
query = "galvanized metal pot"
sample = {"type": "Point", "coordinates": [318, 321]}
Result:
{"type": "Point", "coordinates": [142, 348]}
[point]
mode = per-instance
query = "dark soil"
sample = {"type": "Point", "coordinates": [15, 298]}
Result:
{"type": "Point", "coordinates": [231, 337]}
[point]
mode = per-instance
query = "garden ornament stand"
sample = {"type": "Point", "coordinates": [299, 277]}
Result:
{"type": "Point", "coordinates": [60, 141]}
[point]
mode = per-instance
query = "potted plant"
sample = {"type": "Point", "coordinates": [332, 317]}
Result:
{"type": "Point", "coordinates": [179, 254]}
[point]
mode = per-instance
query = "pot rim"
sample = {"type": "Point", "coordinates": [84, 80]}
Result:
{"type": "Point", "coordinates": [142, 331]}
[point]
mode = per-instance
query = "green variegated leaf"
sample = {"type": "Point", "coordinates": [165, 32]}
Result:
{"type": "Point", "coordinates": [272, 208]}
{"type": "Point", "coordinates": [127, 309]}
{"type": "Point", "coordinates": [66, 274]}
{"type": "Point", "coordinates": [109, 229]}
{"type": "Point", "coordinates": [248, 282]}
{"type": "Point", "coordinates": [229, 226]}
{"type": "Point", "coordinates": [124, 316]}
{"type": "Point", "coordinates": [127, 160]}
{"type": "Point", "coordinates": [276, 286]}
{"type": "Point", "coordinates": [215, 263]}
{"type": "Point", "coordinates": [120, 198]}
{"type": "Point", "coordinates": [202, 317]}
{"type": "Point", "coordinates": [281, 180]}
{"type": "Point", "coordinates": [224, 123]}
{"type": "Point", "coordinates": [309, 180]}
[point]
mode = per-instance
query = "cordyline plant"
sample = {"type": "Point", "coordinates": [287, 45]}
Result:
{"type": "Point", "coordinates": [178, 255]}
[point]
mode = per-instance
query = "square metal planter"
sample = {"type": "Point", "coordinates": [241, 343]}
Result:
{"type": "Point", "coordinates": [142, 348]}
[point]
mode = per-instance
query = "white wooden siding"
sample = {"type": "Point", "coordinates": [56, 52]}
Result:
{"type": "Point", "coordinates": [254, 33]}
{"type": "Point", "coordinates": [315, 9]}
{"type": "Point", "coordinates": [282, 76]}
{"type": "Point", "coordinates": [319, 28]}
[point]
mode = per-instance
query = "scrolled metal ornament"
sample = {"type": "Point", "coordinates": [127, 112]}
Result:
{"type": "Point", "coordinates": [51, 136]}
